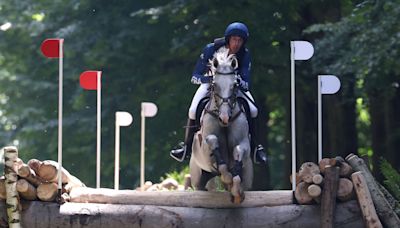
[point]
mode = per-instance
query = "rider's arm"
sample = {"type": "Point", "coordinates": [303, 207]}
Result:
{"type": "Point", "coordinates": [202, 66]}
{"type": "Point", "coordinates": [244, 70]}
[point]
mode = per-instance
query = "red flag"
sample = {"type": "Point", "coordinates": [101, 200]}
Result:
{"type": "Point", "coordinates": [88, 80]}
{"type": "Point", "coordinates": [51, 48]}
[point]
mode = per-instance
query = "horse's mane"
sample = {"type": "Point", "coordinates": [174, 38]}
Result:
{"type": "Point", "coordinates": [223, 57]}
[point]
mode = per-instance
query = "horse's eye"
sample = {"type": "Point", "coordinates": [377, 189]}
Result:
{"type": "Point", "coordinates": [215, 63]}
{"type": "Point", "coordinates": [234, 63]}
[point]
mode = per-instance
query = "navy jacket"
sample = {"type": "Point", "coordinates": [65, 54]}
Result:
{"type": "Point", "coordinates": [202, 65]}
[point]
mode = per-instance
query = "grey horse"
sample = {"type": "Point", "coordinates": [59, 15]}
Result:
{"type": "Point", "coordinates": [222, 145]}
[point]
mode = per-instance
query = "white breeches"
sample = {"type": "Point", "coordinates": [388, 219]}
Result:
{"type": "Point", "coordinates": [202, 92]}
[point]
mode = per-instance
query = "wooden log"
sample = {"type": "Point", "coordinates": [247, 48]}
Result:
{"type": "Point", "coordinates": [345, 189]}
{"type": "Point", "coordinates": [317, 179]}
{"type": "Point", "coordinates": [34, 164]}
{"type": "Point", "coordinates": [298, 179]}
{"type": "Point", "coordinates": [47, 191]}
{"type": "Point", "coordinates": [188, 182]}
{"type": "Point", "coordinates": [48, 171]}
{"type": "Point", "coordinates": [39, 214]}
{"type": "Point", "coordinates": [328, 198]}
{"type": "Point", "coordinates": [314, 190]}
{"type": "Point", "coordinates": [3, 195]}
{"type": "Point", "coordinates": [27, 173]}
{"type": "Point", "coordinates": [12, 197]}
{"type": "Point", "coordinates": [324, 162]}
{"type": "Point", "coordinates": [180, 198]}
{"type": "Point", "coordinates": [26, 190]}
{"type": "Point", "coordinates": [345, 169]}
{"type": "Point", "coordinates": [301, 193]}
{"type": "Point", "coordinates": [364, 199]}
{"type": "Point", "coordinates": [307, 171]}
{"type": "Point", "coordinates": [385, 212]}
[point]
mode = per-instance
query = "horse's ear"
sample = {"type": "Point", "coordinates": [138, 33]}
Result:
{"type": "Point", "coordinates": [234, 63]}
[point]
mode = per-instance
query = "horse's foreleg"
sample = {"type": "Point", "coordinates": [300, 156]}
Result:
{"type": "Point", "coordinates": [212, 142]}
{"type": "Point", "coordinates": [239, 153]}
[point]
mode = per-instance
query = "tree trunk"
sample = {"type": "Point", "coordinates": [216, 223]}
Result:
{"type": "Point", "coordinates": [12, 199]}
{"type": "Point", "coordinates": [383, 208]}
{"type": "Point", "coordinates": [38, 214]}
{"type": "Point", "coordinates": [328, 199]}
{"type": "Point", "coordinates": [364, 199]}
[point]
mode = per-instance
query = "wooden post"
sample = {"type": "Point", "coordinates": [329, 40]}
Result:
{"type": "Point", "coordinates": [12, 201]}
{"type": "Point", "coordinates": [328, 200]}
{"type": "Point", "coordinates": [364, 199]}
{"type": "Point", "coordinates": [385, 212]}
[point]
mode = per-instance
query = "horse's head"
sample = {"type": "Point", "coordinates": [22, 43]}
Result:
{"type": "Point", "coordinates": [224, 85]}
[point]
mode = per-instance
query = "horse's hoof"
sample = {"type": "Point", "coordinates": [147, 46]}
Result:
{"type": "Point", "coordinates": [226, 176]}
{"type": "Point", "coordinates": [237, 199]}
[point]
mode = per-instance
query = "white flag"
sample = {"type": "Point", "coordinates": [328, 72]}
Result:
{"type": "Point", "coordinates": [303, 50]}
{"type": "Point", "coordinates": [149, 109]}
{"type": "Point", "coordinates": [123, 118]}
{"type": "Point", "coordinates": [330, 84]}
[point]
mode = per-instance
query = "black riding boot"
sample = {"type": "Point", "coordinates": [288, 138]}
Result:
{"type": "Point", "coordinates": [257, 151]}
{"type": "Point", "coordinates": [184, 149]}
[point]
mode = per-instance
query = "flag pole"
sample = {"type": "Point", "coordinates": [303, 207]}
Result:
{"type": "Point", "coordinates": [98, 144]}
{"type": "Point", "coordinates": [142, 149]}
{"type": "Point", "coordinates": [116, 166]}
{"type": "Point", "coordinates": [293, 114]}
{"type": "Point", "coordinates": [60, 112]}
{"type": "Point", "coordinates": [319, 119]}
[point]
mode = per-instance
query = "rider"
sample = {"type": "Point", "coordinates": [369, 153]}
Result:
{"type": "Point", "coordinates": [235, 37]}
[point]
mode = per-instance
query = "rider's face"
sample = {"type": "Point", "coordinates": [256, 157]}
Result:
{"type": "Point", "coordinates": [235, 43]}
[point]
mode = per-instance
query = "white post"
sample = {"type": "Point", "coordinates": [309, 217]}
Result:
{"type": "Point", "coordinates": [142, 149]}
{"type": "Point", "coordinates": [293, 114]}
{"type": "Point", "coordinates": [60, 112]}
{"type": "Point", "coordinates": [116, 168]}
{"type": "Point", "coordinates": [98, 144]}
{"type": "Point", "coordinates": [319, 119]}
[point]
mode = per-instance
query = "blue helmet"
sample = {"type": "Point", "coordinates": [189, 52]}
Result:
{"type": "Point", "coordinates": [237, 29]}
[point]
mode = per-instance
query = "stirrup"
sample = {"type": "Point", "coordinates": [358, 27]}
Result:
{"type": "Point", "coordinates": [179, 153]}
{"type": "Point", "coordinates": [259, 155]}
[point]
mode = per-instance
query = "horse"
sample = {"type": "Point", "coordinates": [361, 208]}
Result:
{"type": "Point", "coordinates": [222, 145]}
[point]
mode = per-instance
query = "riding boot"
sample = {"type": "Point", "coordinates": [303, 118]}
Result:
{"type": "Point", "coordinates": [184, 149]}
{"type": "Point", "coordinates": [257, 150]}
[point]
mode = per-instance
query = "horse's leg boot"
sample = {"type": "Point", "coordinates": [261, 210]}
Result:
{"type": "Point", "coordinates": [184, 150]}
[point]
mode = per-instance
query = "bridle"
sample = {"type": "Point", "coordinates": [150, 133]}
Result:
{"type": "Point", "coordinates": [231, 100]}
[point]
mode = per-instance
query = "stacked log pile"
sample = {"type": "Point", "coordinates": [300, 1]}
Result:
{"type": "Point", "coordinates": [37, 180]}
{"type": "Point", "coordinates": [312, 177]}
{"type": "Point", "coordinates": [337, 179]}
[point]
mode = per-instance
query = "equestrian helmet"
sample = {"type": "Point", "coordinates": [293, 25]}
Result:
{"type": "Point", "coordinates": [237, 29]}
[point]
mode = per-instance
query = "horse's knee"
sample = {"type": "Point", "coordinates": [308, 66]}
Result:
{"type": "Point", "coordinates": [212, 141]}
{"type": "Point", "coordinates": [240, 152]}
